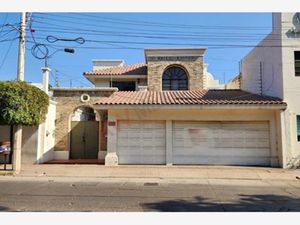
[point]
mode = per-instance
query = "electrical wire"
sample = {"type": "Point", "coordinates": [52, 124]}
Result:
{"type": "Point", "coordinates": [118, 34]}
{"type": "Point", "coordinates": [214, 31]}
{"type": "Point", "coordinates": [100, 18]}
{"type": "Point", "coordinates": [7, 52]}
{"type": "Point", "coordinates": [185, 44]}
{"type": "Point", "coordinates": [4, 22]}
{"type": "Point", "coordinates": [52, 39]}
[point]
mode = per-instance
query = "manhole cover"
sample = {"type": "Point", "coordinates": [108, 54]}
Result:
{"type": "Point", "coordinates": [150, 184]}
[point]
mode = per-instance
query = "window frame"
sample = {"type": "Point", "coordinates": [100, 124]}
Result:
{"type": "Point", "coordinates": [297, 63]}
{"type": "Point", "coordinates": [298, 127]}
{"type": "Point", "coordinates": [179, 82]}
{"type": "Point", "coordinates": [128, 83]}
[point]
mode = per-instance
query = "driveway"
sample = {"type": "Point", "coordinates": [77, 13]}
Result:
{"type": "Point", "coordinates": [162, 189]}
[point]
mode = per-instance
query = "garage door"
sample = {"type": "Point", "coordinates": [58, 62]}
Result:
{"type": "Point", "coordinates": [141, 142]}
{"type": "Point", "coordinates": [226, 143]}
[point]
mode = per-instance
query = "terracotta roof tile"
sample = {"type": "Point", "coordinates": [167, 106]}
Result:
{"type": "Point", "coordinates": [204, 97]}
{"type": "Point", "coordinates": [130, 69]}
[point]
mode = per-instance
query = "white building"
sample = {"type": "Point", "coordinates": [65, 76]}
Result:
{"type": "Point", "coordinates": [272, 68]}
{"type": "Point", "coordinates": [209, 81]}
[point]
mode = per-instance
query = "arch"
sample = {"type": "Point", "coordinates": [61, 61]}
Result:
{"type": "Point", "coordinates": [84, 113]}
{"type": "Point", "coordinates": [84, 133]}
{"type": "Point", "coordinates": [175, 77]}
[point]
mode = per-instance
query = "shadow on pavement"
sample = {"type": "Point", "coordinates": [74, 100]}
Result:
{"type": "Point", "coordinates": [246, 203]}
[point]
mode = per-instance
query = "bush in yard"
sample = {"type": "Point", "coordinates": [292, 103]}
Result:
{"type": "Point", "coordinates": [22, 104]}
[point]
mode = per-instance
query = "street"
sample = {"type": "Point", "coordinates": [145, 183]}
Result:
{"type": "Point", "coordinates": [162, 195]}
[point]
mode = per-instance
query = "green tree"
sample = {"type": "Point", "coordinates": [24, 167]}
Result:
{"type": "Point", "coordinates": [22, 104]}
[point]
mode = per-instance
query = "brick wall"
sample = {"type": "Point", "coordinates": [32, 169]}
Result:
{"type": "Point", "coordinates": [193, 66]}
{"type": "Point", "coordinates": [67, 102]}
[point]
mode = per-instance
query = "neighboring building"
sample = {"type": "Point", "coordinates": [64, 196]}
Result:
{"type": "Point", "coordinates": [209, 81]}
{"type": "Point", "coordinates": [235, 83]}
{"type": "Point", "coordinates": [273, 69]}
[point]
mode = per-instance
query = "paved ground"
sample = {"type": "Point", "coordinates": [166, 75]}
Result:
{"type": "Point", "coordinates": [99, 188]}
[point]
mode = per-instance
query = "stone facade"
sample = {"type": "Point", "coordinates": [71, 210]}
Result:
{"type": "Point", "coordinates": [69, 100]}
{"type": "Point", "coordinates": [192, 64]}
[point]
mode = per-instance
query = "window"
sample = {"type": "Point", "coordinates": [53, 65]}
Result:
{"type": "Point", "coordinates": [297, 63]}
{"type": "Point", "coordinates": [298, 127]}
{"type": "Point", "coordinates": [124, 85]}
{"type": "Point", "coordinates": [174, 78]}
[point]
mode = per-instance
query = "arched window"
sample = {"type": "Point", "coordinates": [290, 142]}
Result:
{"type": "Point", "coordinates": [174, 78]}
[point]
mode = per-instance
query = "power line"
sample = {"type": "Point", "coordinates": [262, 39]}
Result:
{"type": "Point", "coordinates": [183, 44]}
{"type": "Point", "coordinates": [4, 22]}
{"type": "Point", "coordinates": [165, 37]}
{"type": "Point", "coordinates": [233, 38]}
{"type": "Point", "coordinates": [7, 52]}
{"type": "Point", "coordinates": [119, 28]}
{"type": "Point", "coordinates": [149, 23]}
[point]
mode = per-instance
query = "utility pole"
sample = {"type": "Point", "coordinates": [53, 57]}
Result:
{"type": "Point", "coordinates": [17, 142]}
{"type": "Point", "coordinates": [56, 79]}
{"type": "Point", "coordinates": [21, 55]}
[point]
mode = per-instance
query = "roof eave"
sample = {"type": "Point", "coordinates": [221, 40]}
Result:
{"type": "Point", "coordinates": [92, 76]}
{"type": "Point", "coordinates": [181, 106]}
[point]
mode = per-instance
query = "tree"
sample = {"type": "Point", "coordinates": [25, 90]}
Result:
{"type": "Point", "coordinates": [22, 104]}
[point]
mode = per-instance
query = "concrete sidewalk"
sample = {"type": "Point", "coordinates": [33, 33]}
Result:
{"type": "Point", "coordinates": [161, 172]}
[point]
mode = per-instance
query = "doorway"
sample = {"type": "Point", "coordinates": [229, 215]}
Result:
{"type": "Point", "coordinates": [84, 134]}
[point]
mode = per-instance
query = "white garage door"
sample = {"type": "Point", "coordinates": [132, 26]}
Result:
{"type": "Point", "coordinates": [226, 143]}
{"type": "Point", "coordinates": [141, 142]}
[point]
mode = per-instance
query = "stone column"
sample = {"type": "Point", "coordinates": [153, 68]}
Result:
{"type": "Point", "coordinates": [17, 147]}
{"type": "Point", "coordinates": [111, 158]}
{"type": "Point", "coordinates": [273, 144]}
{"type": "Point", "coordinates": [169, 143]}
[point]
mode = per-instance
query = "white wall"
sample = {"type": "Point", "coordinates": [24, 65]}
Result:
{"type": "Point", "coordinates": [291, 83]}
{"type": "Point", "coordinates": [270, 71]}
{"type": "Point", "coordinates": [279, 78]}
{"type": "Point", "coordinates": [106, 63]}
{"type": "Point", "coordinates": [102, 83]}
{"type": "Point", "coordinates": [47, 135]}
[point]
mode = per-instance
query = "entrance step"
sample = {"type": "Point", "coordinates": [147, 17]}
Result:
{"type": "Point", "coordinates": [77, 161]}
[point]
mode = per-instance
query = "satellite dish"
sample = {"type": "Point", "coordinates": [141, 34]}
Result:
{"type": "Point", "coordinates": [298, 17]}
{"type": "Point", "coordinates": [296, 22]}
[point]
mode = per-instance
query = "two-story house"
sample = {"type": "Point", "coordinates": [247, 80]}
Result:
{"type": "Point", "coordinates": [162, 112]}
{"type": "Point", "coordinates": [169, 110]}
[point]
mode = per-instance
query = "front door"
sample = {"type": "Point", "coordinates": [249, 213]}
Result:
{"type": "Point", "coordinates": [84, 139]}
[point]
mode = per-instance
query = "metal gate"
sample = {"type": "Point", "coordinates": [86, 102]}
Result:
{"type": "Point", "coordinates": [84, 139]}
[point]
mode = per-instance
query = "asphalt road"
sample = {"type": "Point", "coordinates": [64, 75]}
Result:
{"type": "Point", "coordinates": [207, 195]}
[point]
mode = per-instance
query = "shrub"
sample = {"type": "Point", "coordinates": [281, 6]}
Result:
{"type": "Point", "coordinates": [22, 104]}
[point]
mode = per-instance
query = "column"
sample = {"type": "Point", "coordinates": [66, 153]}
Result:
{"type": "Point", "coordinates": [169, 143]}
{"type": "Point", "coordinates": [111, 158]}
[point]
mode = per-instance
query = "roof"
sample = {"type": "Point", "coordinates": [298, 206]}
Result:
{"type": "Point", "coordinates": [203, 97]}
{"type": "Point", "coordinates": [130, 69]}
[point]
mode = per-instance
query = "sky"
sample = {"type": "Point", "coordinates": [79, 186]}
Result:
{"type": "Point", "coordinates": [228, 37]}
